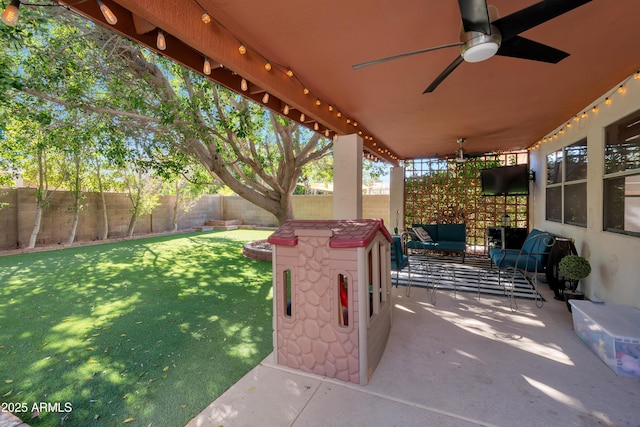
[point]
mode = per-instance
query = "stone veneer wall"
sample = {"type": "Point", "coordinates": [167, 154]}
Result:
{"type": "Point", "coordinates": [311, 339]}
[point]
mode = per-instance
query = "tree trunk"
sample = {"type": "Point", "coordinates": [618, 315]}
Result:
{"type": "Point", "coordinates": [36, 227]}
{"type": "Point", "coordinates": [103, 200]}
{"type": "Point", "coordinates": [77, 194]}
{"type": "Point", "coordinates": [74, 227]}
{"type": "Point", "coordinates": [40, 200]}
{"type": "Point", "coordinates": [105, 217]}
{"type": "Point", "coordinates": [132, 223]}
{"type": "Point", "coordinates": [176, 206]}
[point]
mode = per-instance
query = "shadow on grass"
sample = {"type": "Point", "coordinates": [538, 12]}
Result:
{"type": "Point", "coordinates": [151, 330]}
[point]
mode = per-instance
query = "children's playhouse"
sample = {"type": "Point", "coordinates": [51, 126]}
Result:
{"type": "Point", "coordinates": [332, 296]}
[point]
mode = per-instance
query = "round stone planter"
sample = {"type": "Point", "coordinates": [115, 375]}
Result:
{"type": "Point", "coordinates": [260, 250]}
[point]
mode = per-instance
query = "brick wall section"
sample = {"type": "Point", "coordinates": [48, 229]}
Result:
{"type": "Point", "coordinates": [16, 219]}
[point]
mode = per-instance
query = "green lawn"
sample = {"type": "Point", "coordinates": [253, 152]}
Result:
{"type": "Point", "coordinates": [139, 333]}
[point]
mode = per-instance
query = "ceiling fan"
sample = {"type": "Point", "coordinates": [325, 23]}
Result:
{"type": "Point", "coordinates": [482, 37]}
{"type": "Point", "coordinates": [460, 157]}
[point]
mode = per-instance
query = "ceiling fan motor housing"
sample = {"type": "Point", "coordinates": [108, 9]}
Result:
{"type": "Point", "coordinates": [479, 46]}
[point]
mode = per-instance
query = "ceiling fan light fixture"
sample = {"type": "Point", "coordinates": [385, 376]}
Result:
{"type": "Point", "coordinates": [479, 47]}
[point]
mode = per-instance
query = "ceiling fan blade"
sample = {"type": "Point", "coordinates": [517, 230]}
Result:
{"type": "Point", "coordinates": [519, 47]}
{"type": "Point", "coordinates": [536, 14]}
{"type": "Point", "coordinates": [475, 15]}
{"type": "Point", "coordinates": [443, 75]}
{"type": "Point", "coordinates": [403, 55]}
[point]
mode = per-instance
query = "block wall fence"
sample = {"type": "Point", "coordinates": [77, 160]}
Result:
{"type": "Point", "coordinates": [18, 215]}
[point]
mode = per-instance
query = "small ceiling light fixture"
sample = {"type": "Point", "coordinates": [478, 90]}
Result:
{"type": "Point", "coordinates": [265, 98]}
{"type": "Point", "coordinates": [107, 13]}
{"type": "Point", "coordinates": [607, 101]}
{"type": "Point", "coordinates": [621, 89]}
{"type": "Point", "coordinates": [10, 14]}
{"type": "Point", "coordinates": [478, 46]}
{"type": "Point", "coordinates": [244, 85]}
{"type": "Point", "coordinates": [161, 42]}
{"type": "Point", "coordinates": [206, 18]}
{"type": "Point", "coordinates": [242, 49]}
{"type": "Point", "coordinates": [637, 75]}
{"type": "Point", "coordinates": [206, 67]}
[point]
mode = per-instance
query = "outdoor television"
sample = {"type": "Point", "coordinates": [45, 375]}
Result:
{"type": "Point", "coordinates": [505, 181]}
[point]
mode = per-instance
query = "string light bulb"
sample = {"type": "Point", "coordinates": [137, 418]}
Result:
{"type": "Point", "coordinates": [265, 98]}
{"type": "Point", "coordinates": [607, 101]}
{"type": "Point", "coordinates": [305, 91]}
{"type": "Point", "coordinates": [206, 67]}
{"type": "Point", "coordinates": [285, 110]}
{"type": "Point", "coordinates": [326, 133]}
{"type": "Point", "coordinates": [318, 103]}
{"type": "Point", "coordinates": [289, 72]}
{"type": "Point", "coordinates": [244, 85]}
{"type": "Point", "coordinates": [621, 89]}
{"type": "Point", "coordinates": [316, 126]}
{"type": "Point", "coordinates": [595, 109]}
{"type": "Point", "coordinates": [636, 75]}
{"type": "Point", "coordinates": [10, 14]}
{"type": "Point", "coordinates": [302, 117]}
{"type": "Point", "coordinates": [242, 49]}
{"type": "Point", "coordinates": [206, 18]}
{"type": "Point", "coordinates": [107, 13]}
{"type": "Point", "coordinates": [161, 41]}
{"type": "Point", "coordinates": [267, 66]}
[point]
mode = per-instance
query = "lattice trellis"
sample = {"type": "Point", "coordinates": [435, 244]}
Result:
{"type": "Point", "coordinates": [446, 191]}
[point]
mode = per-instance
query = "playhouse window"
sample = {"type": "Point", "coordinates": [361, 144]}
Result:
{"type": "Point", "coordinates": [286, 291]}
{"type": "Point", "coordinates": [343, 300]}
{"type": "Point", "coordinates": [374, 279]}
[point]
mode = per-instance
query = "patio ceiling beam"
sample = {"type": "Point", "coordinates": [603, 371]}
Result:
{"type": "Point", "coordinates": [189, 40]}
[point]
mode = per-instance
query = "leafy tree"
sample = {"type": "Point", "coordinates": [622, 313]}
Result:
{"type": "Point", "coordinates": [258, 154]}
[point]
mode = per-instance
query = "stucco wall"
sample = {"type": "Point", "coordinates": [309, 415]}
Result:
{"type": "Point", "coordinates": [614, 257]}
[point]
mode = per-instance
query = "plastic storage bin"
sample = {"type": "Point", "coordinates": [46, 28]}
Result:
{"type": "Point", "coordinates": [612, 331]}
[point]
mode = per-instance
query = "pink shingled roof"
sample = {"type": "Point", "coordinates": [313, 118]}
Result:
{"type": "Point", "coordinates": [346, 233]}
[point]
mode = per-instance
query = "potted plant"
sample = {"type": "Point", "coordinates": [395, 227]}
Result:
{"type": "Point", "coordinates": [573, 268]}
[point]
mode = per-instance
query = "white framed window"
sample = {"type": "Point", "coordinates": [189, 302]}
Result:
{"type": "Point", "coordinates": [566, 191]}
{"type": "Point", "coordinates": [621, 186]}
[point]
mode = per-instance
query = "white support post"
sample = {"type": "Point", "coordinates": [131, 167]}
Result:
{"type": "Point", "coordinates": [396, 199]}
{"type": "Point", "coordinates": [347, 177]}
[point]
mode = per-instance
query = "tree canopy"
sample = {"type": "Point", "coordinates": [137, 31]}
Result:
{"type": "Point", "coordinates": [132, 106]}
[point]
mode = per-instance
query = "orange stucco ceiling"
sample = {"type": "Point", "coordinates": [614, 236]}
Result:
{"type": "Point", "coordinates": [497, 105]}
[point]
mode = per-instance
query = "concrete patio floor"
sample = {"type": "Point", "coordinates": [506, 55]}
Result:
{"type": "Point", "coordinates": [463, 362]}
